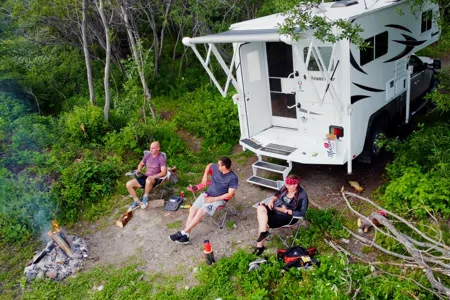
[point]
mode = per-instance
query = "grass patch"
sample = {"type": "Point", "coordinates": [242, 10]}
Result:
{"type": "Point", "coordinates": [230, 224]}
{"type": "Point", "coordinates": [12, 262]}
{"type": "Point", "coordinates": [174, 225]}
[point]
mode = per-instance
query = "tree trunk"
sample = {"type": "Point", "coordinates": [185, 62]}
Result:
{"type": "Point", "coordinates": [134, 43]}
{"type": "Point", "coordinates": [164, 28]}
{"type": "Point", "coordinates": [86, 55]}
{"type": "Point", "coordinates": [101, 10]}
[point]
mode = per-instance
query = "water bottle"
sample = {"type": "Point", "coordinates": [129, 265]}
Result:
{"type": "Point", "coordinates": [209, 254]}
{"type": "Point", "coordinates": [182, 194]}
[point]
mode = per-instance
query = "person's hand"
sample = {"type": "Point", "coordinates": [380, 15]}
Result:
{"type": "Point", "coordinates": [283, 209]}
{"type": "Point", "coordinates": [270, 205]}
{"type": "Point", "coordinates": [138, 174]}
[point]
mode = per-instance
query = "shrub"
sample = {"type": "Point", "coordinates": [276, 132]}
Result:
{"type": "Point", "coordinates": [25, 206]}
{"type": "Point", "coordinates": [85, 125]}
{"type": "Point", "coordinates": [84, 183]}
{"type": "Point", "coordinates": [209, 116]}
{"type": "Point", "coordinates": [420, 173]}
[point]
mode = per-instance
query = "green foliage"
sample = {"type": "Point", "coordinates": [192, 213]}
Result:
{"type": "Point", "coordinates": [85, 183]}
{"type": "Point", "coordinates": [209, 116]}
{"type": "Point", "coordinates": [419, 175]}
{"type": "Point", "coordinates": [85, 125]}
{"type": "Point", "coordinates": [25, 206]}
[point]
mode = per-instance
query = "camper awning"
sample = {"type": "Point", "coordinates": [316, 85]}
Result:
{"type": "Point", "coordinates": [237, 36]}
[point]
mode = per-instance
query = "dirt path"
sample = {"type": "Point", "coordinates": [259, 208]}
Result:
{"type": "Point", "coordinates": [146, 235]}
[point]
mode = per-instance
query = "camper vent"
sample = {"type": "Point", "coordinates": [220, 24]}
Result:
{"type": "Point", "coordinates": [344, 3]}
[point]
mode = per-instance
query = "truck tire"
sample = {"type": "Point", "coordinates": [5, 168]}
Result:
{"type": "Point", "coordinates": [378, 128]}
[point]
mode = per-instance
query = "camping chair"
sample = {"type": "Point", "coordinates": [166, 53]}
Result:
{"type": "Point", "coordinates": [161, 181]}
{"type": "Point", "coordinates": [295, 221]}
{"type": "Point", "coordinates": [220, 222]}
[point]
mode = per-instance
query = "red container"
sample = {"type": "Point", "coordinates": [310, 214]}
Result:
{"type": "Point", "coordinates": [207, 246]}
{"type": "Point", "coordinates": [182, 194]}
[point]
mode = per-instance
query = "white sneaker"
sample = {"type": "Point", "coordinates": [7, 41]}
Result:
{"type": "Point", "coordinates": [144, 203]}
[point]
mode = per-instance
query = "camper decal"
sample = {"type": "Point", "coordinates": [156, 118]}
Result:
{"type": "Point", "coordinates": [409, 43]}
{"type": "Point", "coordinates": [330, 147]}
{"type": "Point", "coordinates": [356, 98]}
{"type": "Point", "coordinates": [367, 88]}
{"type": "Point", "coordinates": [355, 64]}
{"type": "Point", "coordinates": [396, 26]}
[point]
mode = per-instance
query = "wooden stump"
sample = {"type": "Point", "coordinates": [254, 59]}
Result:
{"type": "Point", "coordinates": [124, 219]}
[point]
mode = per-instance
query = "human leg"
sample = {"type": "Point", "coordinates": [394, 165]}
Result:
{"type": "Point", "coordinates": [132, 185]}
{"type": "Point", "coordinates": [262, 214]}
{"type": "Point", "coordinates": [149, 183]}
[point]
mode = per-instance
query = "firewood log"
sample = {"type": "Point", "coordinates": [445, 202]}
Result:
{"type": "Point", "coordinates": [62, 244]}
{"type": "Point", "coordinates": [124, 219]}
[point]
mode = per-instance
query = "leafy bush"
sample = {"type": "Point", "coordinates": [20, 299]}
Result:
{"type": "Point", "coordinates": [85, 125]}
{"type": "Point", "coordinates": [85, 183]}
{"type": "Point", "coordinates": [209, 116]}
{"type": "Point", "coordinates": [25, 206]}
{"type": "Point", "coordinates": [420, 173]}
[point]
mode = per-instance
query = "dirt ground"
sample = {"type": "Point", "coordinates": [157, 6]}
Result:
{"type": "Point", "coordinates": [145, 237]}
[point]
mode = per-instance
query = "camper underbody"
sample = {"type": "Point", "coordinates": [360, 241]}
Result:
{"type": "Point", "coordinates": [312, 102]}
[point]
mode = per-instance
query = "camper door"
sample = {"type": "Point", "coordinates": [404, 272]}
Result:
{"type": "Point", "coordinates": [255, 87]}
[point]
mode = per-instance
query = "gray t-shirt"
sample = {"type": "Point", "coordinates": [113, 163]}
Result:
{"type": "Point", "coordinates": [220, 183]}
{"type": "Point", "coordinates": [153, 164]}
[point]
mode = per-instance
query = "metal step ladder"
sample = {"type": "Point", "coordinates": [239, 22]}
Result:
{"type": "Point", "coordinates": [269, 183]}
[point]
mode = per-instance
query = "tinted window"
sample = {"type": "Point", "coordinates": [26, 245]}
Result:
{"type": "Point", "coordinates": [366, 54]}
{"type": "Point", "coordinates": [427, 18]}
{"type": "Point", "coordinates": [381, 44]}
{"type": "Point", "coordinates": [377, 47]}
{"type": "Point", "coordinates": [279, 58]}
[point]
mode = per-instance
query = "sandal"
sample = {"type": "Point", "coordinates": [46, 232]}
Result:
{"type": "Point", "coordinates": [262, 236]}
{"type": "Point", "coordinates": [259, 250]}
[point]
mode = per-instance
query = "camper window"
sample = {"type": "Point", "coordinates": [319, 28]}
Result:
{"type": "Point", "coordinates": [324, 52]}
{"type": "Point", "coordinates": [377, 46]}
{"type": "Point", "coordinates": [427, 17]}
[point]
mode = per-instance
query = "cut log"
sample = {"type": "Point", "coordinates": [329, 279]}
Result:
{"type": "Point", "coordinates": [67, 239]}
{"type": "Point", "coordinates": [62, 244]}
{"type": "Point", "coordinates": [124, 219]}
{"type": "Point", "coordinates": [365, 225]}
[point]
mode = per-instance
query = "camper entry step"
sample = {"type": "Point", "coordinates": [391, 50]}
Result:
{"type": "Point", "coordinates": [263, 182]}
{"type": "Point", "coordinates": [269, 166]}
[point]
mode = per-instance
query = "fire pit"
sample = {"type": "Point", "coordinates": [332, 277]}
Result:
{"type": "Point", "coordinates": [62, 257]}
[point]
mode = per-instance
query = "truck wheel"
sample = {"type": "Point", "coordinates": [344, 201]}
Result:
{"type": "Point", "coordinates": [378, 128]}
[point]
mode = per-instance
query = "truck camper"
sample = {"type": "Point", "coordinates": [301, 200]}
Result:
{"type": "Point", "coordinates": [314, 102]}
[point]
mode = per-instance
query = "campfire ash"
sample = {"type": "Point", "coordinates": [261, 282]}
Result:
{"type": "Point", "coordinates": [62, 256]}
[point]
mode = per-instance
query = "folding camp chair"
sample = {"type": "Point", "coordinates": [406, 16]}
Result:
{"type": "Point", "coordinates": [295, 221]}
{"type": "Point", "coordinates": [220, 222]}
{"type": "Point", "coordinates": [162, 182]}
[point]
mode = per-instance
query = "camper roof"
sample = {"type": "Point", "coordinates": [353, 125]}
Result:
{"type": "Point", "coordinates": [265, 28]}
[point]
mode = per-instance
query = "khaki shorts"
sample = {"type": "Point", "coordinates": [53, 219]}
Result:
{"type": "Point", "coordinates": [210, 207]}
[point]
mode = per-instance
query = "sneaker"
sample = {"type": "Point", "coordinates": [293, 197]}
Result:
{"type": "Point", "coordinates": [134, 205]}
{"type": "Point", "coordinates": [144, 203]}
{"type": "Point", "coordinates": [179, 238]}
{"type": "Point", "coordinates": [262, 236]}
{"type": "Point", "coordinates": [259, 250]}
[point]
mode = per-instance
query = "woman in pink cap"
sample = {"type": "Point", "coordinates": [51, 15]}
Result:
{"type": "Point", "coordinates": [290, 201]}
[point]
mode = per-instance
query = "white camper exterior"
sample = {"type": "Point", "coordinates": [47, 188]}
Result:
{"type": "Point", "coordinates": [293, 94]}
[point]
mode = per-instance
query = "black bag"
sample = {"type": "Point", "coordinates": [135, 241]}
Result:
{"type": "Point", "coordinates": [173, 203]}
{"type": "Point", "coordinates": [298, 257]}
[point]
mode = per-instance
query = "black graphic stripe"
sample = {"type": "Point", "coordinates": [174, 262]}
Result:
{"type": "Point", "coordinates": [435, 33]}
{"type": "Point", "coordinates": [368, 88]}
{"type": "Point", "coordinates": [355, 64]}
{"type": "Point", "coordinates": [405, 52]}
{"type": "Point", "coordinates": [396, 26]}
{"type": "Point", "coordinates": [356, 98]}
{"type": "Point", "coordinates": [410, 41]}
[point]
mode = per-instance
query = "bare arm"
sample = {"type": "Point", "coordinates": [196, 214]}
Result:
{"type": "Point", "coordinates": [140, 166]}
{"type": "Point", "coordinates": [205, 175]}
{"type": "Point", "coordinates": [162, 173]}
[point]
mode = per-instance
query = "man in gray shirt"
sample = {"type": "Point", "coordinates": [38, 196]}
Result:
{"type": "Point", "coordinates": [224, 183]}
